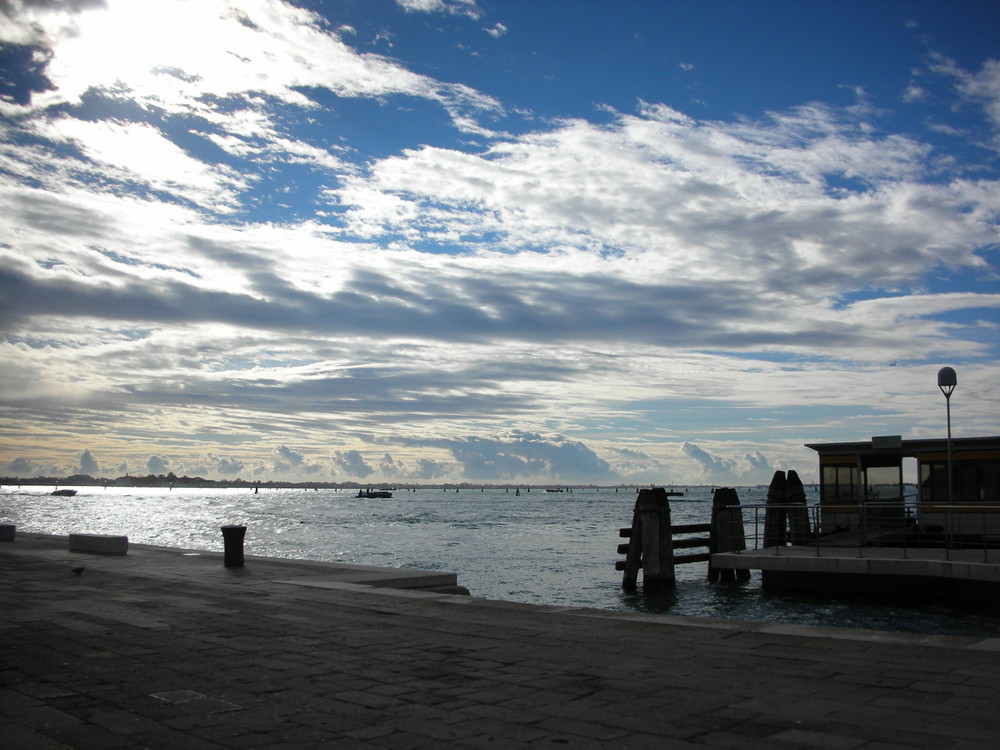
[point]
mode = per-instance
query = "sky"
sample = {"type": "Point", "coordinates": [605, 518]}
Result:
{"type": "Point", "coordinates": [496, 241]}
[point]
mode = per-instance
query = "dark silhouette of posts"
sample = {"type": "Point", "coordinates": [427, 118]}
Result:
{"type": "Point", "coordinates": [774, 512]}
{"type": "Point", "coordinates": [232, 537]}
{"type": "Point", "coordinates": [727, 533]}
{"type": "Point", "coordinates": [786, 519]}
{"type": "Point", "coordinates": [653, 539]}
{"type": "Point", "coordinates": [650, 544]}
{"type": "Point", "coordinates": [800, 531]}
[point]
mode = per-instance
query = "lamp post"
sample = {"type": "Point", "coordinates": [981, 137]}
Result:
{"type": "Point", "coordinates": [947, 380]}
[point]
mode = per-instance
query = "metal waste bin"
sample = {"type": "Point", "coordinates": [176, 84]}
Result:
{"type": "Point", "coordinates": [232, 537]}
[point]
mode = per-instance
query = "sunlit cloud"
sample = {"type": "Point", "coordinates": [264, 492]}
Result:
{"type": "Point", "coordinates": [270, 252]}
{"type": "Point", "coordinates": [455, 7]}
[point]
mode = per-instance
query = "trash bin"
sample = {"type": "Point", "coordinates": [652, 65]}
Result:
{"type": "Point", "coordinates": [232, 537]}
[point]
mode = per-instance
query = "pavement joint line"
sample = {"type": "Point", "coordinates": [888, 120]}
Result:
{"type": "Point", "coordinates": [192, 698]}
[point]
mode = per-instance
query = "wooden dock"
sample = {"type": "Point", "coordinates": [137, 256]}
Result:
{"type": "Point", "coordinates": [970, 573]}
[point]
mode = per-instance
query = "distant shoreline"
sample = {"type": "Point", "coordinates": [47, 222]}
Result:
{"type": "Point", "coordinates": [84, 480]}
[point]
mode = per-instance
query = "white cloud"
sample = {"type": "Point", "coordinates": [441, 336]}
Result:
{"type": "Point", "coordinates": [21, 466]}
{"type": "Point", "coordinates": [352, 465]}
{"type": "Point", "coordinates": [88, 464]}
{"type": "Point", "coordinates": [455, 7]}
{"type": "Point", "coordinates": [982, 88]}
{"type": "Point", "coordinates": [128, 51]}
{"type": "Point", "coordinates": [136, 151]}
{"type": "Point", "coordinates": [689, 201]}
{"type": "Point", "coordinates": [228, 466]}
{"type": "Point", "coordinates": [422, 6]}
{"type": "Point", "coordinates": [290, 463]}
{"type": "Point", "coordinates": [522, 456]}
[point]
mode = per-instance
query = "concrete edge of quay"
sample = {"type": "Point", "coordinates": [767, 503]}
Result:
{"type": "Point", "coordinates": [402, 584]}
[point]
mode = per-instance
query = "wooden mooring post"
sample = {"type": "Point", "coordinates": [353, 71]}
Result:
{"type": "Point", "coordinates": [651, 544]}
{"type": "Point", "coordinates": [800, 531]}
{"type": "Point", "coordinates": [786, 519]}
{"type": "Point", "coordinates": [727, 534]}
{"type": "Point", "coordinates": [775, 516]}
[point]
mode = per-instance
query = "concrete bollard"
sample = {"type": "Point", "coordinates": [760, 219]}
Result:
{"type": "Point", "coordinates": [232, 537]}
{"type": "Point", "coordinates": [7, 532]}
{"type": "Point", "coordinates": [99, 544]}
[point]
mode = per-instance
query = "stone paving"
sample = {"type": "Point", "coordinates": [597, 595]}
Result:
{"type": "Point", "coordinates": [166, 649]}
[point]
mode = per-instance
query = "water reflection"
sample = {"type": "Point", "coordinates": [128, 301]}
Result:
{"type": "Point", "coordinates": [747, 601]}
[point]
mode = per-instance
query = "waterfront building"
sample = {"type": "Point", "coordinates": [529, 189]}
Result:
{"type": "Point", "coordinates": [869, 474]}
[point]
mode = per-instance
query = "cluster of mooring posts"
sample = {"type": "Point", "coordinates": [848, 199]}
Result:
{"type": "Point", "coordinates": [786, 520]}
{"type": "Point", "coordinates": [651, 542]}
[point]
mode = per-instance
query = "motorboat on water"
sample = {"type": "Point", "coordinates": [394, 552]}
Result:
{"type": "Point", "coordinates": [64, 493]}
{"type": "Point", "coordinates": [374, 493]}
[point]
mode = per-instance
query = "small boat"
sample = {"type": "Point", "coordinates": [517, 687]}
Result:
{"type": "Point", "coordinates": [556, 489]}
{"type": "Point", "coordinates": [374, 493]}
{"type": "Point", "coordinates": [64, 493]}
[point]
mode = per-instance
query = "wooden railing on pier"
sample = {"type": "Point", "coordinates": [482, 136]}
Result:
{"type": "Point", "coordinates": [651, 543]}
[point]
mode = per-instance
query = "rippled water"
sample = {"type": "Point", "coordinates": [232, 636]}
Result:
{"type": "Point", "coordinates": [541, 548]}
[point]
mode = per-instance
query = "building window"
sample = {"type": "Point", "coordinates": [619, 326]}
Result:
{"type": "Point", "coordinates": [883, 484]}
{"type": "Point", "coordinates": [839, 484]}
{"type": "Point", "coordinates": [934, 482]}
{"type": "Point", "coordinates": [972, 481]}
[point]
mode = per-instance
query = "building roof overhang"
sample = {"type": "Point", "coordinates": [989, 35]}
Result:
{"type": "Point", "coordinates": [895, 446]}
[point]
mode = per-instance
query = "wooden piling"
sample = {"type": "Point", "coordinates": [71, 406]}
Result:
{"type": "Point", "coordinates": [665, 546]}
{"type": "Point", "coordinates": [633, 554]}
{"type": "Point", "coordinates": [727, 533]}
{"type": "Point", "coordinates": [774, 512]}
{"type": "Point", "coordinates": [649, 531]}
{"type": "Point", "coordinates": [800, 532]}
{"type": "Point", "coordinates": [650, 545]}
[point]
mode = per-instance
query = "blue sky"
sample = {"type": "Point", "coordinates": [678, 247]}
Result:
{"type": "Point", "coordinates": [439, 240]}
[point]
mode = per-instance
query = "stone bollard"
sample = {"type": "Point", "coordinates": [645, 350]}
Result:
{"type": "Point", "coordinates": [7, 532]}
{"type": "Point", "coordinates": [232, 537]}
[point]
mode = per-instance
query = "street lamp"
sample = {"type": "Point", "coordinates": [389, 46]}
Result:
{"type": "Point", "coordinates": [947, 380]}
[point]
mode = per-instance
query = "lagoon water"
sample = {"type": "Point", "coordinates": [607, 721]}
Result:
{"type": "Point", "coordinates": [538, 548]}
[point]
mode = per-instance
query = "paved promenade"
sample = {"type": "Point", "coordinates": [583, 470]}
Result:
{"type": "Point", "coordinates": [161, 649]}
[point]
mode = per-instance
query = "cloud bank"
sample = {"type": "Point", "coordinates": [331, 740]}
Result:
{"type": "Point", "coordinates": [213, 261]}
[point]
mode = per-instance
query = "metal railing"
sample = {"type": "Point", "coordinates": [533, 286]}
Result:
{"type": "Point", "coordinates": [906, 524]}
